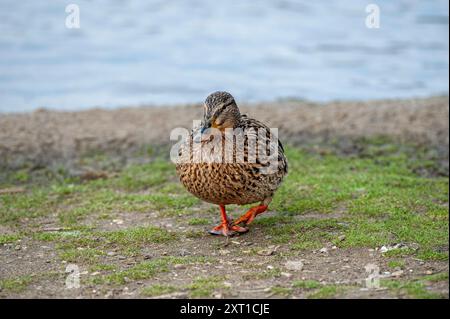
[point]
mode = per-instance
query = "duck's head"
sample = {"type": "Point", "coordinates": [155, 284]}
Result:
{"type": "Point", "coordinates": [221, 112]}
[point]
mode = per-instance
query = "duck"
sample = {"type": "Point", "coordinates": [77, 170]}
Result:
{"type": "Point", "coordinates": [231, 159]}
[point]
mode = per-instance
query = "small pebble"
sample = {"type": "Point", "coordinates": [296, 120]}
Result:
{"type": "Point", "coordinates": [397, 273]}
{"type": "Point", "coordinates": [179, 266]}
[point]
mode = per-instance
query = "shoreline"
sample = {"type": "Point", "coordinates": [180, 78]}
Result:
{"type": "Point", "coordinates": [102, 196]}
{"type": "Point", "coordinates": [44, 138]}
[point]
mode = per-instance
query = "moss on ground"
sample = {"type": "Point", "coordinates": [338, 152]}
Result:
{"type": "Point", "coordinates": [158, 290]}
{"type": "Point", "coordinates": [327, 292]}
{"type": "Point", "coordinates": [16, 284]}
{"type": "Point", "coordinates": [367, 201]}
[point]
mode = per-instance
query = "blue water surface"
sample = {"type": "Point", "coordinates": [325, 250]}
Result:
{"type": "Point", "coordinates": [172, 51]}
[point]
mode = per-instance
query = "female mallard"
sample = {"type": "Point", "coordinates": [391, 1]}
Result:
{"type": "Point", "coordinates": [223, 168]}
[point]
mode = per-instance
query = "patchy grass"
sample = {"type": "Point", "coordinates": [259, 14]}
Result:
{"type": "Point", "coordinates": [145, 270]}
{"type": "Point", "coordinates": [158, 290]}
{"type": "Point", "coordinates": [81, 255]}
{"type": "Point", "coordinates": [416, 288]}
{"type": "Point", "coordinates": [30, 204]}
{"type": "Point", "coordinates": [374, 199]}
{"type": "Point", "coordinates": [396, 264]}
{"type": "Point", "coordinates": [139, 235]}
{"type": "Point", "coordinates": [306, 284]}
{"type": "Point", "coordinates": [9, 238]}
{"type": "Point", "coordinates": [17, 284]}
{"type": "Point", "coordinates": [413, 289]}
{"type": "Point", "coordinates": [381, 199]}
{"type": "Point", "coordinates": [204, 287]}
{"type": "Point", "coordinates": [443, 276]}
{"type": "Point", "coordinates": [102, 268]}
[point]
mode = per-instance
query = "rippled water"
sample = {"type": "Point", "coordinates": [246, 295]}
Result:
{"type": "Point", "coordinates": [166, 52]}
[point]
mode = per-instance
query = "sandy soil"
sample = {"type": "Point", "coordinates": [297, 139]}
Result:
{"type": "Point", "coordinates": [43, 138]}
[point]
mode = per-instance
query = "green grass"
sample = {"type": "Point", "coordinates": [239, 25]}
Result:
{"type": "Point", "coordinates": [443, 276]}
{"type": "Point", "coordinates": [374, 198]}
{"type": "Point", "coordinates": [88, 246]}
{"type": "Point", "coordinates": [24, 205]}
{"type": "Point", "coordinates": [204, 287]}
{"type": "Point", "coordinates": [306, 284]}
{"type": "Point", "coordinates": [145, 270]}
{"type": "Point", "coordinates": [327, 292]}
{"type": "Point", "coordinates": [102, 268]}
{"type": "Point", "coordinates": [9, 238]}
{"type": "Point", "coordinates": [396, 264]}
{"type": "Point", "coordinates": [158, 290]}
{"type": "Point", "coordinates": [139, 235]}
{"type": "Point", "coordinates": [81, 255]}
{"type": "Point", "coordinates": [15, 284]}
{"type": "Point", "coordinates": [383, 201]}
{"type": "Point", "coordinates": [414, 289]}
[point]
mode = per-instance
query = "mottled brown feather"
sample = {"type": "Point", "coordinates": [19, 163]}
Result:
{"type": "Point", "coordinates": [235, 182]}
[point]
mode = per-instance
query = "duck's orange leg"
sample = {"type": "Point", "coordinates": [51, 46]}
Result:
{"type": "Point", "coordinates": [250, 215]}
{"type": "Point", "coordinates": [225, 228]}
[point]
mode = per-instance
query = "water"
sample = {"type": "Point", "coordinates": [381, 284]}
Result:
{"type": "Point", "coordinates": [168, 52]}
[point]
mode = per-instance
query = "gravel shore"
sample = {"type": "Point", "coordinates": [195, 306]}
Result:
{"type": "Point", "coordinates": [43, 138]}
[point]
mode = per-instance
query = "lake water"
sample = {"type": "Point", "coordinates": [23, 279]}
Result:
{"type": "Point", "coordinates": [168, 52]}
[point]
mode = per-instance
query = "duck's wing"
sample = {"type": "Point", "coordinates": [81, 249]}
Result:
{"type": "Point", "coordinates": [254, 128]}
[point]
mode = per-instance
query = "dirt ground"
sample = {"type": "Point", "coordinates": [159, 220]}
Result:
{"type": "Point", "coordinates": [51, 220]}
{"type": "Point", "coordinates": [44, 138]}
{"type": "Point", "coordinates": [247, 266]}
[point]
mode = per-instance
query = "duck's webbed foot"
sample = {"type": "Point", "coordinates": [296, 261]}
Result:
{"type": "Point", "coordinates": [226, 228]}
{"type": "Point", "coordinates": [250, 215]}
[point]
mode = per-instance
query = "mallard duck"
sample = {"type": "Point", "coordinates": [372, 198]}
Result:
{"type": "Point", "coordinates": [223, 182]}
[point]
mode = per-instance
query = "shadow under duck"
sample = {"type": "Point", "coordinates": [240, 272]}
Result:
{"type": "Point", "coordinates": [243, 167]}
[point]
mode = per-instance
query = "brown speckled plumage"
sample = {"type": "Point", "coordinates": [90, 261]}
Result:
{"type": "Point", "coordinates": [233, 182]}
